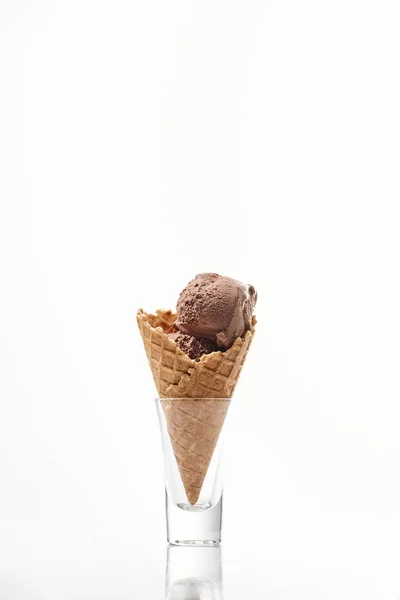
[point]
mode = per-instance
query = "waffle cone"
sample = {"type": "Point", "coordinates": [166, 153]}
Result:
{"type": "Point", "coordinates": [194, 426]}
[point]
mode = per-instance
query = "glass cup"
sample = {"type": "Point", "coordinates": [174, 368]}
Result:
{"type": "Point", "coordinates": [193, 574]}
{"type": "Point", "coordinates": [192, 435]}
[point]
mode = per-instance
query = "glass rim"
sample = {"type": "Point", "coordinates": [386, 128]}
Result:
{"type": "Point", "coordinates": [178, 398]}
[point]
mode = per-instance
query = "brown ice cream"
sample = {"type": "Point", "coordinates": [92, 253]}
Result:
{"type": "Point", "coordinates": [193, 347]}
{"type": "Point", "coordinates": [216, 308]}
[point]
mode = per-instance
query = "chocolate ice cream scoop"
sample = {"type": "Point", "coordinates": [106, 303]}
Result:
{"type": "Point", "coordinates": [193, 347]}
{"type": "Point", "coordinates": [216, 308]}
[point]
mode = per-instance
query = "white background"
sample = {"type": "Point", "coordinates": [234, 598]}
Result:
{"type": "Point", "coordinates": [142, 142]}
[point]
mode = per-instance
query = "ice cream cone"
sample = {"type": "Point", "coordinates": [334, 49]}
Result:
{"type": "Point", "coordinates": [194, 426]}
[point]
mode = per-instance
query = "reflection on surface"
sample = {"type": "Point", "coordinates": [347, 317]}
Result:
{"type": "Point", "coordinates": [193, 573]}
{"type": "Point", "coordinates": [193, 589]}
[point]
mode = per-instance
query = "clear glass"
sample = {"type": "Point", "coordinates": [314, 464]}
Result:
{"type": "Point", "coordinates": [192, 436]}
{"type": "Point", "coordinates": [193, 574]}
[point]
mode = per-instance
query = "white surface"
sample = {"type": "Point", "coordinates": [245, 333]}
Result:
{"type": "Point", "coordinates": [140, 143]}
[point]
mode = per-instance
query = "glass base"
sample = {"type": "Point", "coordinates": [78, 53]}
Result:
{"type": "Point", "coordinates": [194, 507]}
{"type": "Point", "coordinates": [198, 525]}
{"type": "Point", "coordinates": [197, 543]}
